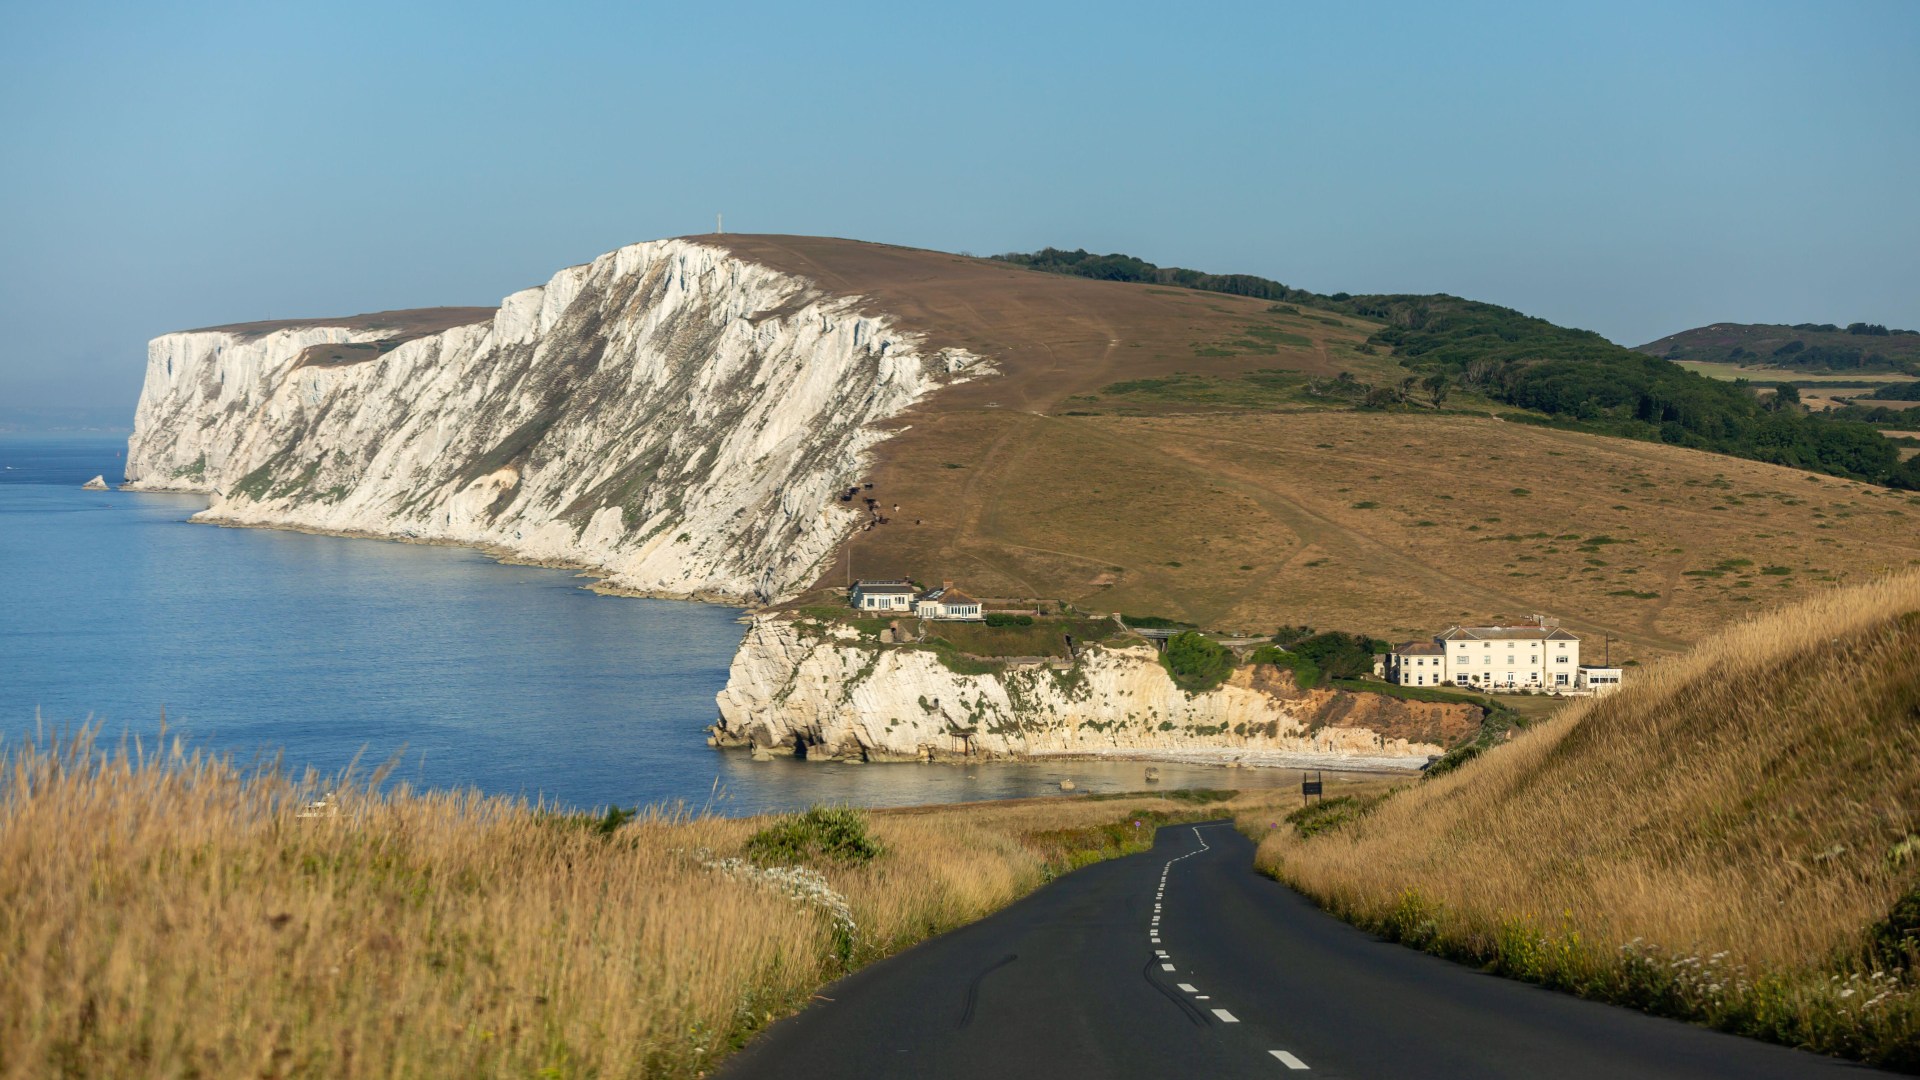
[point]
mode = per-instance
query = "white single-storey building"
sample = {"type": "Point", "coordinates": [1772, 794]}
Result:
{"type": "Point", "coordinates": [891, 595]}
{"type": "Point", "coordinates": [1537, 655]}
{"type": "Point", "coordinates": [1600, 680]}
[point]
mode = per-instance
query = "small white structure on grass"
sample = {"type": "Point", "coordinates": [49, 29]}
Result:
{"type": "Point", "coordinates": [890, 595]}
{"type": "Point", "coordinates": [1600, 680]}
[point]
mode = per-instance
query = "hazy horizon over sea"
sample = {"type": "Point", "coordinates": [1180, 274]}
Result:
{"type": "Point", "coordinates": [513, 680]}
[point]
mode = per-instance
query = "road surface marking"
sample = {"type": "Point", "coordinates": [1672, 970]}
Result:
{"type": "Point", "coordinates": [1203, 997]}
{"type": "Point", "coordinates": [1226, 1017]}
{"type": "Point", "coordinates": [1189, 988]}
{"type": "Point", "coordinates": [1161, 953]}
{"type": "Point", "coordinates": [1288, 1060]}
{"type": "Point", "coordinates": [1166, 967]}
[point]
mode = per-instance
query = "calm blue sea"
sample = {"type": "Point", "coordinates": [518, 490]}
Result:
{"type": "Point", "coordinates": [511, 679]}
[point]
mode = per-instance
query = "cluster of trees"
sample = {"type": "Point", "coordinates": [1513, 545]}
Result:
{"type": "Point", "coordinates": [1337, 653]}
{"type": "Point", "coordinates": [1863, 328]}
{"type": "Point", "coordinates": [1082, 263]}
{"type": "Point", "coordinates": [1898, 391]}
{"type": "Point", "coordinates": [1329, 654]}
{"type": "Point", "coordinates": [1196, 662]}
{"type": "Point", "coordinates": [1576, 377]}
{"type": "Point", "coordinates": [1799, 354]}
{"type": "Point", "coordinates": [1879, 416]}
{"type": "Point", "coordinates": [1580, 378]}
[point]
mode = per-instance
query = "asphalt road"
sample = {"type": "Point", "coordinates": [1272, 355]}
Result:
{"type": "Point", "coordinates": [1183, 962]}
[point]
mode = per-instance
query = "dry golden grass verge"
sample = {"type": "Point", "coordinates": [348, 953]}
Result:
{"type": "Point", "coordinates": [171, 914]}
{"type": "Point", "coordinates": [1733, 840]}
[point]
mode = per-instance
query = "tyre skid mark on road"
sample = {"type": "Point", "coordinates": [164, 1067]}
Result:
{"type": "Point", "coordinates": [1193, 1012]}
{"type": "Point", "coordinates": [973, 988]}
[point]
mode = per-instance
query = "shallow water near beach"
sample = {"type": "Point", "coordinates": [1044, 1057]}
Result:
{"type": "Point", "coordinates": [466, 672]}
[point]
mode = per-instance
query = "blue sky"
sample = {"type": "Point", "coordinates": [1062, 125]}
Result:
{"type": "Point", "coordinates": [1631, 168]}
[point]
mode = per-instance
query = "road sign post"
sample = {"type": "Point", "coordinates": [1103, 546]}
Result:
{"type": "Point", "coordinates": [1310, 788]}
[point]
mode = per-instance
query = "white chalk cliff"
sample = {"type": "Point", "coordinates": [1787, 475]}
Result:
{"type": "Point", "coordinates": [678, 420]}
{"type": "Point", "coordinates": [670, 416]}
{"type": "Point", "coordinates": [822, 692]}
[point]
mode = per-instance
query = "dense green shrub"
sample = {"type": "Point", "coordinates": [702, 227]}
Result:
{"type": "Point", "coordinates": [1893, 943]}
{"type": "Point", "coordinates": [1154, 622]}
{"type": "Point", "coordinates": [1002, 618]}
{"type": "Point", "coordinates": [1340, 654]}
{"type": "Point", "coordinates": [823, 833]}
{"type": "Point", "coordinates": [1197, 663]}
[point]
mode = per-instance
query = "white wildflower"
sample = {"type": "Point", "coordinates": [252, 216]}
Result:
{"type": "Point", "coordinates": [800, 883]}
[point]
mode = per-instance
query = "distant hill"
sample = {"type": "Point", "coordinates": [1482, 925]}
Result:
{"type": "Point", "coordinates": [1567, 377]}
{"type": "Point", "coordinates": [1809, 347]}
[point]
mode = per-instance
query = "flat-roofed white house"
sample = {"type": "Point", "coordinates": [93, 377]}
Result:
{"type": "Point", "coordinates": [1537, 655]}
{"type": "Point", "coordinates": [1599, 680]}
{"type": "Point", "coordinates": [948, 604]}
{"type": "Point", "coordinates": [890, 595]}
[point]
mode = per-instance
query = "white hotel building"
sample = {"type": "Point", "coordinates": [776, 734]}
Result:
{"type": "Point", "coordinates": [1539, 656]}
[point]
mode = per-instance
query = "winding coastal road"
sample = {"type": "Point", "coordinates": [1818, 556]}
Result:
{"type": "Point", "coordinates": [1186, 963]}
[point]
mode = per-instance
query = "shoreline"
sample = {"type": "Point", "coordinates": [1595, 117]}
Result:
{"type": "Point", "coordinates": [1223, 758]}
{"type": "Point", "coordinates": [598, 577]}
{"type": "Point", "coordinates": [1226, 757]}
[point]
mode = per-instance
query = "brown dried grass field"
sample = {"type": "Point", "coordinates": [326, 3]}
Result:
{"type": "Point", "coordinates": [1710, 842]}
{"type": "Point", "coordinates": [1145, 450]}
{"type": "Point", "coordinates": [166, 915]}
{"type": "Point", "coordinates": [1392, 524]}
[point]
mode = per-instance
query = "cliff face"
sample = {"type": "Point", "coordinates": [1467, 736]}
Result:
{"type": "Point", "coordinates": [668, 415]}
{"type": "Point", "coordinates": [823, 692]}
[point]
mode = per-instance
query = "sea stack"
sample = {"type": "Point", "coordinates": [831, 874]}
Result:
{"type": "Point", "coordinates": [98, 483]}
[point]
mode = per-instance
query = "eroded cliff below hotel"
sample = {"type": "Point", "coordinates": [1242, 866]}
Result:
{"type": "Point", "coordinates": [822, 691]}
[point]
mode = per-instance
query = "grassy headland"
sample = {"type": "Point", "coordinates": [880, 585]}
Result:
{"type": "Point", "coordinates": [164, 913]}
{"type": "Point", "coordinates": [1196, 454]}
{"type": "Point", "coordinates": [1575, 378]}
{"type": "Point", "coordinates": [1733, 838]}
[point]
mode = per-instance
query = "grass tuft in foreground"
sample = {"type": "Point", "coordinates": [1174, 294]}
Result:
{"type": "Point", "coordinates": [166, 913]}
{"type": "Point", "coordinates": [1734, 839]}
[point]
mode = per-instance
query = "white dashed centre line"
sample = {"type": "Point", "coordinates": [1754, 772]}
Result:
{"type": "Point", "coordinates": [1166, 967]}
{"type": "Point", "coordinates": [1188, 987]}
{"type": "Point", "coordinates": [1288, 1060]}
{"type": "Point", "coordinates": [1226, 1017]}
